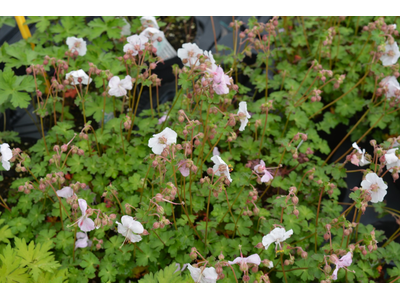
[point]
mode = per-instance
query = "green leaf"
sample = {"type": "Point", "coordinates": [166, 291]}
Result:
{"type": "Point", "coordinates": [11, 269]}
{"type": "Point", "coordinates": [168, 275]}
{"type": "Point", "coordinates": [13, 89]}
{"type": "Point", "coordinates": [5, 234]}
{"type": "Point", "coordinates": [89, 262]}
{"type": "Point", "coordinates": [37, 259]}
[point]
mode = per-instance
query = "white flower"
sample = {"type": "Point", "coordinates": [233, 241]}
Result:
{"type": "Point", "coordinates": [152, 34]}
{"type": "Point", "coordinates": [363, 160]}
{"type": "Point", "coordinates": [75, 44]}
{"type": "Point", "coordinates": [392, 86]}
{"type": "Point", "coordinates": [66, 192]}
{"type": "Point", "coordinates": [390, 156]}
{"type": "Point", "coordinates": [209, 58]}
{"type": "Point", "coordinates": [84, 222]}
{"type": "Point", "coordinates": [243, 115]}
{"type": "Point", "coordinates": [160, 141]}
{"type": "Point", "coordinates": [6, 155]}
{"type": "Point", "coordinates": [149, 22]}
{"type": "Point", "coordinates": [271, 265]}
{"type": "Point", "coordinates": [136, 44]}
{"type": "Point", "coordinates": [118, 87]}
{"type": "Point", "coordinates": [216, 151]}
{"type": "Point", "coordinates": [391, 54]}
{"type": "Point", "coordinates": [126, 29]}
{"type": "Point", "coordinates": [77, 76]}
{"type": "Point", "coordinates": [252, 259]}
{"type": "Point", "coordinates": [392, 160]}
{"type": "Point", "coordinates": [218, 163]}
{"type": "Point", "coordinates": [188, 54]}
{"type": "Point", "coordinates": [376, 187]}
{"type": "Point", "coordinates": [82, 240]}
{"type": "Point", "coordinates": [276, 236]}
{"type": "Point", "coordinates": [129, 227]}
{"type": "Point", "coordinates": [209, 275]}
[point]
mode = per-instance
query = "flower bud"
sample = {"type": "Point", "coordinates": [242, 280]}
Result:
{"type": "Point", "coordinates": [327, 269]}
{"type": "Point", "coordinates": [193, 255]}
{"type": "Point", "coordinates": [259, 246]}
{"type": "Point", "coordinates": [160, 210]}
{"type": "Point", "coordinates": [221, 256]}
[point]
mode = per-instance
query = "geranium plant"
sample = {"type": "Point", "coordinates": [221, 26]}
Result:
{"type": "Point", "coordinates": [236, 162]}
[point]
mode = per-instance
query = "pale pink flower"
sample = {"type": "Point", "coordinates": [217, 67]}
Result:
{"type": "Point", "coordinates": [392, 160]}
{"type": "Point", "coordinates": [354, 159]}
{"type": "Point", "coordinates": [136, 43]}
{"type": "Point", "coordinates": [6, 155]}
{"type": "Point", "coordinates": [392, 86]}
{"type": "Point", "coordinates": [161, 140]}
{"type": "Point", "coordinates": [82, 240]}
{"type": "Point", "coordinates": [66, 192]}
{"type": "Point", "coordinates": [210, 61]}
{"type": "Point", "coordinates": [130, 229]}
{"type": "Point", "coordinates": [126, 29]}
{"type": "Point", "coordinates": [189, 54]}
{"type": "Point", "coordinates": [119, 87]}
{"type": "Point", "coordinates": [260, 169]}
{"type": "Point", "coordinates": [277, 236]}
{"type": "Point", "coordinates": [218, 163]}
{"type": "Point", "coordinates": [162, 119]}
{"type": "Point", "coordinates": [391, 54]}
{"type": "Point", "coordinates": [203, 275]}
{"type": "Point", "coordinates": [153, 34]}
{"type": "Point", "coordinates": [243, 115]}
{"type": "Point", "coordinates": [390, 156]}
{"type": "Point", "coordinates": [85, 223]}
{"type": "Point", "coordinates": [344, 262]}
{"type": "Point", "coordinates": [375, 186]}
{"type": "Point", "coordinates": [77, 44]}
{"type": "Point", "coordinates": [77, 76]}
{"type": "Point", "coordinates": [185, 171]}
{"type": "Point", "coordinates": [216, 151]}
{"type": "Point", "coordinates": [252, 259]}
{"type": "Point", "coordinates": [148, 21]}
{"type": "Point", "coordinates": [220, 81]}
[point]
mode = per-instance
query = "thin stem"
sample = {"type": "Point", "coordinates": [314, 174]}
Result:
{"type": "Point", "coordinates": [337, 99]}
{"type": "Point", "coordinates": [283, 268]}
{"type": "Point", "coordinates": [4, 203]}
{"type": "Point", "coordinates": [263, 133]}
{"type": "Point", "coordinates": [305, 34]}
{"type": "Point", "coordinates": [316, 222]}
{"type": "Point", "coordinates": [120, 206]}
{"type": "Point", "coordinates": [215, 36]}
{"type": "Point", "coordinates": [347, 135]}
{"type": "Point", "coordinates": [372, 127]}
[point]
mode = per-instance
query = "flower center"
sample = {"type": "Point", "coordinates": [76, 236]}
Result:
{"type": "Point", "coordinates": [374, 187]}
{"type": "Point", "coordinates": [260, 169]}
{"type": "Point", "coordinates": [162, 140]}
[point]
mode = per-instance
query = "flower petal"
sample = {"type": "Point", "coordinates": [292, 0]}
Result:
{"type": "Point", "coordinates": [86, 224]}
{"type": "Point", "coordinates": [254, 259]}
{"type": "Point", "coordinates": [83, 206]}
{"type": "Point", "coordinates": [65, 192]}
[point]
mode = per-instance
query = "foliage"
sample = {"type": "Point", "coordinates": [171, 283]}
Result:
{"type": "Point", "coordinates": [293, 86]}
